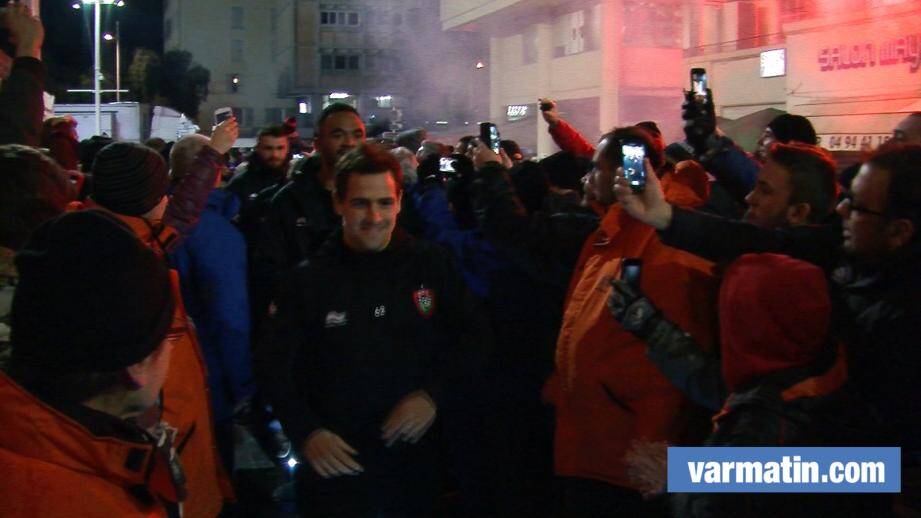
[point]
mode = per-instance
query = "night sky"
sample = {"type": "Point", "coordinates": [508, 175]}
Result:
{"type": "Point", "coordinates": [68, 50]}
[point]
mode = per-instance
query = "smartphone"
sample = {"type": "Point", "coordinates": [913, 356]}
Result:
{"type": "Point", "coordinates": [634, 164]}
{"type": "Point", "coordinates": [630, 270]}
{"type": "Point", "coordinates": [699, 82]}
{"type": "Point", "coordinates": [489, 135]}
{"type": "Point", "coordinates": [446, 165]}
{"type": "Point", "coordinates": [222, 114]}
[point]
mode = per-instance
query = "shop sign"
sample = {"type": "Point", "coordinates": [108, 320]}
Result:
{"type": "Point", "coordinates": [845, 142]}
{"type": "Point", "coordinates": [517, 112]}
{"type": "Point", "coordinates": [906, 49]}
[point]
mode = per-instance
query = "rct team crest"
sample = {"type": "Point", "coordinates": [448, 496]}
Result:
{"type": "Point", "coordinates": [424, 298]}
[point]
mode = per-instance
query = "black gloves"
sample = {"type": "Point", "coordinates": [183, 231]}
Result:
{"type": "Point", "coordinates": [632, 309]}
{"type": "Point", "coordinates": [699, 120]}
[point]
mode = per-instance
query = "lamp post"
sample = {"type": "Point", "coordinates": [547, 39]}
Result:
{"type": "Point", "coordinates": [118, 59]}
{"type": "Point", "coordinates": [97, 53]}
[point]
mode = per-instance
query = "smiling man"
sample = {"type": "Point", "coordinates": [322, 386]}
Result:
{"type": "Point", "coordinates": [373, 330]}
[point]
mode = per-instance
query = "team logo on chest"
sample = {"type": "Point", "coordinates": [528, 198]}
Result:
{"type": "Point", "coordinates": [424, 298]}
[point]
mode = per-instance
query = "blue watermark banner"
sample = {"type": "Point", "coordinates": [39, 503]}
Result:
{"type": "Point", "coordinates": [784, 470]}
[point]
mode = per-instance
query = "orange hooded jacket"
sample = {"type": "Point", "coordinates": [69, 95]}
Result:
{"type": "Point", "coordinates": [187, 403]}
{"type": "Point", "coordinates": [53, 466]}
{"type": "Point", "coordinates": [606, 392]}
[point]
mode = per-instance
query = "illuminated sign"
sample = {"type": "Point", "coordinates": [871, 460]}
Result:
{"type": "Point", "coordinates": [849, 142]}
{"type": "Point", "coordinates": [774, 63]}
{"type": "Point", "coordinates": [906, 49]}
{"type": "Point", "coordinates": [517, 112]}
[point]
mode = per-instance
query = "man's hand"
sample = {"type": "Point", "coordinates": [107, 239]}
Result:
{"type": "Point", "coordinates": [631, 308]}
{"type": "Point", "coordinates": [648, 206]}
{"type": "Point", "coordinates": [647, 466]}
{"type": "Point", "coordinates": [224, 135]}
{"type": "Point", "coordinates": [480, 154]}
{"type": "Point", "coordinates": [330, 456]}
{"type": "Point", "coordinates": [552, 116]}
{"type": "Point", "coordinates": [410, 419]}
{"type": "Point", "coordinates": [26, 31]}
{"type": "Point", "coordinates": [699, 120]}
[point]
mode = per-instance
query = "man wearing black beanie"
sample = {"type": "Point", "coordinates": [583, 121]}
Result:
{"type": "Point", "coordinates": [89, 357]}
{"type": "Point", "coordinates": [131, 183]}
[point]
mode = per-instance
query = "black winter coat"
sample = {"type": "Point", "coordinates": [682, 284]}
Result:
{"type": "Point", "coordinates": [355, 333]}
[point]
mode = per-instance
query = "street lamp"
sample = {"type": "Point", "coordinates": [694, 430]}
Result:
{"type": "Point", "coordinates": [97, 53]}
{"type": "Point", "coordinates": [118, 59]}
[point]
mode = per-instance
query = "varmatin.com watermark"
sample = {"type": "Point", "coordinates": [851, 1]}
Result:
{"type": "Point", "coordinates": [784, 470]}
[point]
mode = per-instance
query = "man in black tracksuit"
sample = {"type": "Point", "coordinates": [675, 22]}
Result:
{"type": "Point", "coordinates": [369, 335]}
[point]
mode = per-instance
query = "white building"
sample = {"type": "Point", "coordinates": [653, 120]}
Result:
{"type": "Point", "coordinates": [243, 44]}
{"type": "Point", "coordinates": [851, 66]}
{"type": "Point", "coordinates": [606, 62]}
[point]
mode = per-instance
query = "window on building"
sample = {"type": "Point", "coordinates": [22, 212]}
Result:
{"type": "Point", "coordinates": [353, 62]}
{"type": "Point", "coordinates": [274, 116]}
{"type": "Point", "coordinates": [343, 18]}
{"type": "Point", "coordinates": [326, 61]}
{"type": "Point", "coordinates": [529, 46]}
{"type": "Point", "coordinates": [236, 51]}
{"type": "Point", "coordinates": [661, 22]}
{"type": "Point", "coordinates": [341, 62]}
{"type": "Point", "coordinates": [236, 17]}
{"type": "Point", "coordinates": [370, 62]}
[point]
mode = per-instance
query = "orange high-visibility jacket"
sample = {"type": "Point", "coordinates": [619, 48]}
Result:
{"type": "Point", "coordinates": [606, 392]}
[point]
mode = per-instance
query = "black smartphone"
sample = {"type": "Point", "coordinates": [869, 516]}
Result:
{"type": "Point", "coordinates": [489, 135]}
{"type": "Point", "coordinates": [630, 270]}
{"type": "Point", "coordinates": [699, 82]}
{"type": "Point", "coordinates": [634, 164]}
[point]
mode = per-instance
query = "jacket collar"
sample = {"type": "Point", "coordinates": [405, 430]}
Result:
{"type": "Point", "coordinates": [34, 429]}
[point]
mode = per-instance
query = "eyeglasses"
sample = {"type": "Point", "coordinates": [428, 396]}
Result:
{"type": "Point", "coordinates": [847, 202]}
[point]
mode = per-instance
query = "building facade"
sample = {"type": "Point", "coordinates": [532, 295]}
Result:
{"type": "Point", "coordinates": [606, 63]}
{"type": "Point", "coordinates": [850, 66]}
{"type": "Point", "coordinates": [272, 59]}
{"type": "Point", "coordinates": [242, 44]}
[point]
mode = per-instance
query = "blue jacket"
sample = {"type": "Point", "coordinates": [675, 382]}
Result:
{"type": "Point", "coordinates": [212, 271]}
{"type": "Point", "coordinates": [734, 169]}
{"type": "Point", "coordinates": [477, 258]}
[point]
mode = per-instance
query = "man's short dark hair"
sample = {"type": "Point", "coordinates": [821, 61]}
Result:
{"type": "Point", "coordinates": [366, 159]}
{"type": "Point", "coordinates": [812, 176]}
{"type": "Point", "coordinates": [903, 199]}
{"type": "Point", "coordinates": [333, 109]}
{"type": "Point", "coordinates": [614, 155]}
{"type": "Point", "coordinates": [275, 131]}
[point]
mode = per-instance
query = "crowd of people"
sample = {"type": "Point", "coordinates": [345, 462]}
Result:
{"type": "Point", "coordinates": [443, 330]}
